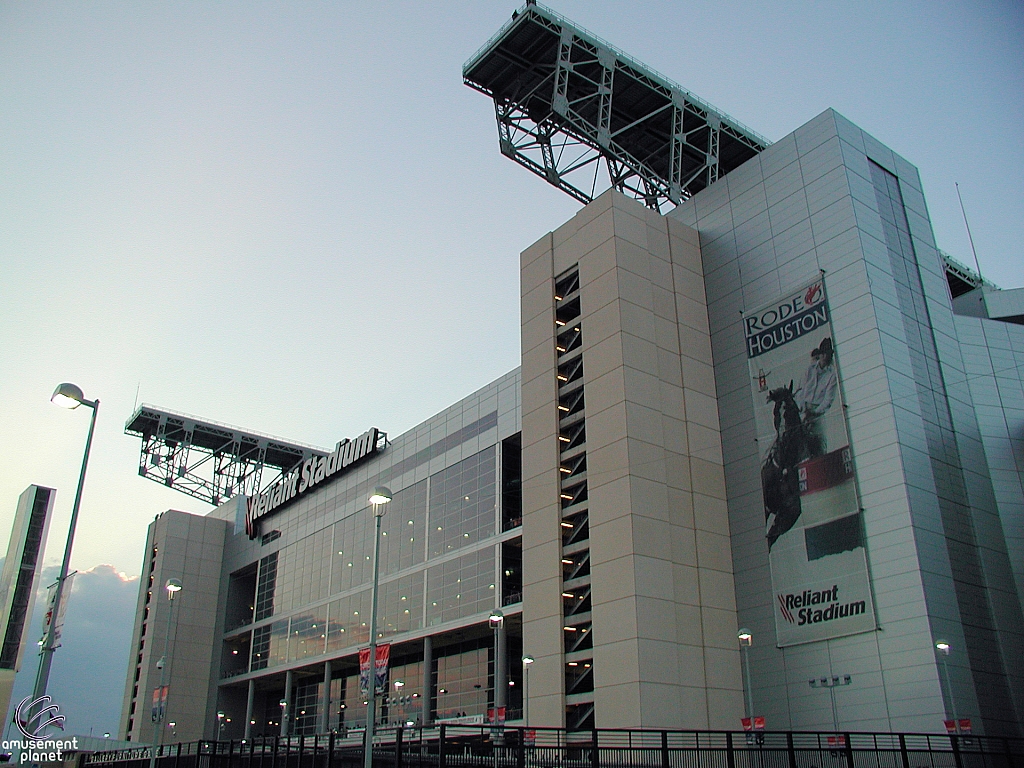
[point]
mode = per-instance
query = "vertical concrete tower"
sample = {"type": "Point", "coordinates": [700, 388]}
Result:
{"type": "Point", "coordinates": [629, 602]}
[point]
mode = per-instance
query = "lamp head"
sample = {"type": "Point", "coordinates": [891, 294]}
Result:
{"type": "Point", "coordinates": [745, 636]}
{"type": "Point", "coordinates": [68, 395]}
{"type": "Point", "coordinates": [942, 647]}
{"type": "Point", "coordinates": [528, 659]}
{"type": "Point", "coordinates": [381, 495]}
{"type": "Point", "coordinates": [173, 587]}
{"type": "Point", "coordinates": [496, 619]}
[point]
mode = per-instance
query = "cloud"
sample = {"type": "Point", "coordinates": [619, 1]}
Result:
{"type": "Point", "coordinates": [87, 677]}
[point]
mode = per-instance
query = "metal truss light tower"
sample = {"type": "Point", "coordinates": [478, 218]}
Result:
{"type": "Point", "coordinates": [208, 460]}
{"type": "Point", "coordinates": [569, 106]}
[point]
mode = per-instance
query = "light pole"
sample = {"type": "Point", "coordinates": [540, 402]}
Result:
{"type": "Point", "coordinates": [527, 661]}
{"type": "Point", "coordinates": [496, 621]}
{"type": "Point", "coordinates": [943, 648]}
{"type": "Point", "coordinates": [379, 498]}
{"type": "Point", "coordinates": [173, 587]}
{"type": "Point", "coordinates": [832, 683]}
{"type": "Point", "coordinates": [746, 639]}
{"type": "Point", "coordinates": [399, 685]}
{"type": "Point", "coordinates": [67, 396]}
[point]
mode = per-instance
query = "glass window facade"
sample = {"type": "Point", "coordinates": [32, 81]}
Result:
{"type": "Point", "coordinates": [461, 587]}
{"type": "Point", "coordinates": [462, 684]}
{"type": "Point", "coordinates": [303, 573]}
{"type": "Point", "coordinates": [462, 504]}
{"type": "Point", "coordinates": [307, 634]}
{"type": "Point", "coordinates": [266, 584]}
{"type": "Point", "coordinates": [438, 560]}
{"type": "Point", "coordinates": [404, 702]}
{"type": "Point", "coordinates": [348, 621]}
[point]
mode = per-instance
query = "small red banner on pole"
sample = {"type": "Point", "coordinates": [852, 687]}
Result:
{"type": "Point", "coordinates": [381, 659]}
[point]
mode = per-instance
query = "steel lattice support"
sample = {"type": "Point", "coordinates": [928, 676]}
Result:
{"type": "Point", "coordinates": [570, 106]}
{"type": "Point", "coordinates": [210, 461]}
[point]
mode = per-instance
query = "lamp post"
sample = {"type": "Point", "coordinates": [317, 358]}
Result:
{"type": "Point", "coordinates": [943, 648]}
{"type": "Point", "coordinates": [398, 701]}
{"type": "Point", "coordinates": [746, 638]}
{"type": "Point", "coordinates": [173, 587]}
{"type": "Point", "coordinates": [67, 396]}
{"type": "Point", "coordinates": [527, 661]}
{"type": "Point", "coordinates": [496, 621]}
{"type": "Point", "coordinates": [832, 683]}
{"type": "Point", "coordinates": [379, 498]}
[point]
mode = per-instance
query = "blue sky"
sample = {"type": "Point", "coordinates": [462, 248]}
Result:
{"type": "Point", "coordinates": [295, 218]}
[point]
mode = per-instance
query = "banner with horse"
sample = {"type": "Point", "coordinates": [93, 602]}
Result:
{"type": "Point", "coordinates": [813, 527]}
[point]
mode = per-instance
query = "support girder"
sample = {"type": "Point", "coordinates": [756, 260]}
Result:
{"type": "Point", "coordinates": [210, 461]}
{"type": "Point", "coordinates": [569, 106]}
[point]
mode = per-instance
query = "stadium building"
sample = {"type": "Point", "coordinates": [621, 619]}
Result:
{"type": "Point", "coordinates": [776, 407]}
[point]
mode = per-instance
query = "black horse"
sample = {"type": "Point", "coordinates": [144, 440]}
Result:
{"type": "Point", "coordinates": [780, 483]}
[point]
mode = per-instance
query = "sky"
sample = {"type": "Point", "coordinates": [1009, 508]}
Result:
{"type": "Point", "coordinates": [294, 217]}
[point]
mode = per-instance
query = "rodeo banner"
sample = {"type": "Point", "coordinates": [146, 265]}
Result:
{"type": "Point", "coordinates": [812, 520]}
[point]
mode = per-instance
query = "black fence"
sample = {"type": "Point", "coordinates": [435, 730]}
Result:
{"type": "Point", "coordinates": [451, 746]}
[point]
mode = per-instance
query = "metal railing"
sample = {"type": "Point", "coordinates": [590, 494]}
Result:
{"type": "Point", "coordinates": [461, 746]}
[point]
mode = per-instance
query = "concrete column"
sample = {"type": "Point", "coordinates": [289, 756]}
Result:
{"type": "Point", "coordinates": [428, 679]}
{"type": "Point", "coordinates": [248, 709]}
{"type": "Point", "coordinates": [286, 710]}
{"type": "Point", "coordinates": [325, 701]}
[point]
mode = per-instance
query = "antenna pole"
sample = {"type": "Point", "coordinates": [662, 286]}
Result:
{"type": "Point", "coordinates": [968, 226]}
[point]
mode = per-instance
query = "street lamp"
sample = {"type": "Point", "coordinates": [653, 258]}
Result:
{"type": "Point", "coordinates": [527, 661]}
{"type": "Point", "coordinates": [746, 638]}
{"type": "Point", "coordinates": [379, 499]}
{"type": "Point", "coordinates": [496, 621]}
{"type": "Point", "coordinates": [832, 683]}
{"type": "Point", "coordinates": [173, 587]}
{"type": "Point", "coordinates": [67, 396]}
{"type": "Point", "coordinates": [944, 648]}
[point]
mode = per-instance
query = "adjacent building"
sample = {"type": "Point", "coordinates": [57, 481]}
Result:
{"type": "Point", "coordinates": [18, 581]}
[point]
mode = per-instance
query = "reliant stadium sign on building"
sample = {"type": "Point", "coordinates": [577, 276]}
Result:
{"type": "Point", "coordinates": [813, 527]}
{"type": "Point", "coordinates": [308, 475]}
